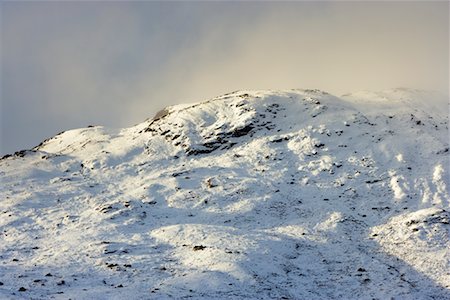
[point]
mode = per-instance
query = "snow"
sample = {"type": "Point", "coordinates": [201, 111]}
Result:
{"type": "Point", "coordinates": [420, 239]}
{"type": "Point", "coordinates": [396, 187]}
{"type": "Point", "coordinates": [293, 194]}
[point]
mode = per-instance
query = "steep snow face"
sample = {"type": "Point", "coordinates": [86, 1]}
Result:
{"type": "Point", "coordinates": [258, 194]}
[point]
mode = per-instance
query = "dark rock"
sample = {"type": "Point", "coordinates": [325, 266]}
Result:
{"type": "Point", "coordinates": [443, 151]}
{"type": "Point", "coordinates": [238, 132]}
{"type": "Point", "coordinates": [62, 282]}
{"type": "Point", "coordinates": [161, 114]}
{"type": "Point", "coordinates": [20, 153]}
{"type": "Point", "coordinates": [200, 151]}
{"type": "Point", "coordinates": [210, 182]}
{"type": "Point", "coordinates": [176, 174]}
{"type": "Point", "coordinates": [373, 181]}
{"type": "Point", "coordinates": [280, 140]}
{"type": "Point", "coordinates": [200, 247]}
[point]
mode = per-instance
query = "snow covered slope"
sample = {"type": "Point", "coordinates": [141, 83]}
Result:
{"type": "Point", "coordinates": [256, 194]}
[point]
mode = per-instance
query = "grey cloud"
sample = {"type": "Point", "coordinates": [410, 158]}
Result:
{"type": "Point", "coordinates": [70, 64]}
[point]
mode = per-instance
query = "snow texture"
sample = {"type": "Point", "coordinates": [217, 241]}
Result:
{"type": "Point", "coordinates": [255, 194]}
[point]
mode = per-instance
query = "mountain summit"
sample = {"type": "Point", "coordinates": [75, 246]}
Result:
{"type": "Point", "coordinates": [254, 194]}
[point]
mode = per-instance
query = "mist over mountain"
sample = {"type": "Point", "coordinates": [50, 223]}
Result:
{"type": "Point", "coordinates": [293, 194]}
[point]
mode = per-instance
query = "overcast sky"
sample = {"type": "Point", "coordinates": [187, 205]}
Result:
{"type": "Point", "coordinates": [71, 64]}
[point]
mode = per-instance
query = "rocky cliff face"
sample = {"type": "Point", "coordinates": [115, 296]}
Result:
{"type": "Point", "coordinates": [259, 194]}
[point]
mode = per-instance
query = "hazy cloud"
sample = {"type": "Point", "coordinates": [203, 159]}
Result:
{"type": "Point", "coordinates": [70, 64]}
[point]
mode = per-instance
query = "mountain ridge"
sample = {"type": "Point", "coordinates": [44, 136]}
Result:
{"type": "Point", "coordinates": [258, 194]}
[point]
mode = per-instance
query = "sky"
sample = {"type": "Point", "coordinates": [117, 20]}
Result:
{"type": "Point", "coordinates": [68, 65]}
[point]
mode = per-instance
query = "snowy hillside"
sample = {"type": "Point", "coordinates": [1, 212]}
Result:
{"type": "Point", "coordinates": [256, 194]}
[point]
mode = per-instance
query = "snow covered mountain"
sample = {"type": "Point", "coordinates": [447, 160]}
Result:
{"type": "Point", "coordinates": [255, 194]}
